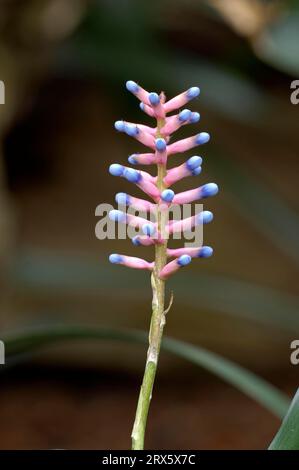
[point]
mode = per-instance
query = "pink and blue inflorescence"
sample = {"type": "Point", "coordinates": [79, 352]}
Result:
{"type": "Point", "coordinates": [160, 148]}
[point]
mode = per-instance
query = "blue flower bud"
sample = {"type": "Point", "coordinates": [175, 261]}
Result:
{"type": "Point", "coordinates": [204, 217]}
{"type": "Point", "coordinates": [154, 98]}
{"type": "Point", "coordinates": [136, 241]}
{"type": "Point", "coordinates": [141, 106]}
{"type": "Point", "coordinates": [160, 145]}
{"type": "Point", "coordinates": [115, 259]}
{"type": "Point", "coordinates": [132, 159]}
{"type": "Point", "coordinates": [119, 126]}
{"type": "Point", "coordinates": [148, 229]}
{"type": "Point", "coordinates": [185, 115]}
{"type": "Point", "coordinates": [209, 189]}
{"type": "Point", "coordinates": [117, 216]}
{"type": "Point", "coordinates": [195, 117]}
{"type": "Point", "coordinates": [184, 260]}
{"type": "Point", "coordinates": [132, 175]}
{"type": "Point", "coordinates": [132, 86]}
{"type": "Point", "coordinates": [167, 195]}
{"type": "Point", "coordinates": [116, 169]}
{"type": "Point", "coordinates": [131, 129]}
{"type": "Point", "coordinates": [193, 92]}
{"type": "Point", "coordinates": [196, 171]}
{"type": "Point", "coordinates": [202, 138]}
{"type": "Point", "coordinates": [122, 199]}
{"type": "Point", "coordinates": [205, 252]}
{"type": "Point", "coordinates": [193, 162]}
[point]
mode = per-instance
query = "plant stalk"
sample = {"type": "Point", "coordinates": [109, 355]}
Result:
{"type": "Point", "coordinates": [157, 322]}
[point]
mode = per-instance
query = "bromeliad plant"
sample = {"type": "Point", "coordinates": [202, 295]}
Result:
{"type": "Point", "coordinates": [157, 233]}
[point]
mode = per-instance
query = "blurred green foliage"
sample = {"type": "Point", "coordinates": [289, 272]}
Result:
{"type": "Point", "coordinates": [32, 340]}
{"type": "Point", "coordinates": [287, 437]}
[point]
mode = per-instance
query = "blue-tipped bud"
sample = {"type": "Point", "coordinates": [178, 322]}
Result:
{"type": "Point", "coordinates": [141, 106]}
{"type": "Point", "coordinates": [132, 159]}
{"type": "Point", "coordinates": [132, 175]}
{"type": "Point", "coordinates": [160, 145]}
{"type": "Point", "coordinates": [131, 129]}
{"type": "Point", "coordinates": [122, 199]}
{"type": "Point", "coordinates": [115, 259]}
{"type": "Point", "coordinates": [132, 86]}
{"type": "Point", "coordinates": [119, 126]}
{"type": "Point", "coordinates": [116, 169]}
{"type": "Point", "coordinates": [202, 138]}
{"type": "Point", "coordinates": [204, 217]}
{"type": "Point", "coordinates": [195, 117]}
{"type": "Point", "coordinates": [184, 260]}
{"type": "Point", "coordinates": [196, 171]}
{"type": "Point", "coordinates": [167, 195]}
{"type": "Point", "coordinates": [148, 229]}
{"type": "Point", "coordinates": [193, 162]}
{"type": "Point", "coordinates": [205, 252]}
{"type": "Point", "coordinates": [117, 216]}
{"type": "Point", "coordinates": [154, 98]}
{"type": "Point", "coordinates": [185, 115]}
{"type": "Point", "coordinates": [136, 241]}
{"type": "Point", "coordinates": [209, 189]}
{"type": "Point", "coordinates": [193, 92]}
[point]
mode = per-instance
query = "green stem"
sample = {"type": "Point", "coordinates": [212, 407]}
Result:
{"type": "Point", "coordinates": [157, 323]}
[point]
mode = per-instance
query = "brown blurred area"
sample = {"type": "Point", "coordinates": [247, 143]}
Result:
{"type": "Point", "coordinates": [64, 64]}
{"type": "Point", "coordinates": [79, 409]}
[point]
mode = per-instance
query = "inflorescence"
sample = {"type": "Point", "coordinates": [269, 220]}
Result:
{"type": "Point", "coordinates": [157, 188]}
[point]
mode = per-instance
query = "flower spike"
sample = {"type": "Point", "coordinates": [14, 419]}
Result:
{"type": "Point", "coordinates": [158, 188]}
{"type": "Point", "coordinates": [152, 226]}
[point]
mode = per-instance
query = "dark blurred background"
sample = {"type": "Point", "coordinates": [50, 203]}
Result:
{"type": "Point", "coordinates": [64, 64]}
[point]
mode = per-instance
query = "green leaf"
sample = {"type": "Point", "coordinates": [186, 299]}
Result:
{"type": "Point", "coordinates": [278, 46]}
{"type": "Point", "coordinates": [45, 270]}
{"type": "Point", "coordinates": [244, 380]}
{"type": "Point", "coordinates": [287, 437]}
